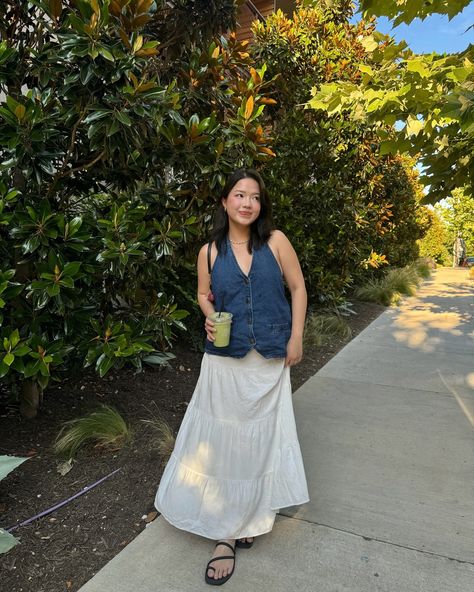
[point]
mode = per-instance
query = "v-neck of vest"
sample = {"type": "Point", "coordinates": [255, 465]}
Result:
{"type": "Point", "coordinates": [246, 275]}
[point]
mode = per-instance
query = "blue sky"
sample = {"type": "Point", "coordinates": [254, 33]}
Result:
{"type": "Point", "coordinates": [435, 33]}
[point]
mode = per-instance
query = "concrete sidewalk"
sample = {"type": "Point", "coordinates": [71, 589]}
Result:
{"type": "Point", "coordinates": [386, 430]}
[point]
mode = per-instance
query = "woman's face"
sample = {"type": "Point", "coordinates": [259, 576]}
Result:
{"type": "Point", "coordinates": [243, 202]}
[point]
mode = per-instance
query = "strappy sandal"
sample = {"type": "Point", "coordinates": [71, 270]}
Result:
{"type": "Point", "coordinates": [244, 544]}
{"type": "Point", "coordinates": [220, 581]}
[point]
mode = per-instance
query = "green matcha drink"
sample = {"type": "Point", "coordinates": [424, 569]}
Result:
{"type": "Point", "coordinates": [222, 322]}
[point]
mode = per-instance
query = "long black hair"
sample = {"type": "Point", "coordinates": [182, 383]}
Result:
{"type": "Point", "coordinates": [260, 229]}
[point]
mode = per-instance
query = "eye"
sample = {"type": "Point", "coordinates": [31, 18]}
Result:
{"type": "Point", "coordinates": [256, 197]}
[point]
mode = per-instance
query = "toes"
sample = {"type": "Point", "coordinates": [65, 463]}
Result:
{"type": "Point", "coordinates": [218, 573]}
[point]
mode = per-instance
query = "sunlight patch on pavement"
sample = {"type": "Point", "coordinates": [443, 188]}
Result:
{"type": "Point", "coordinates": [415, 326]}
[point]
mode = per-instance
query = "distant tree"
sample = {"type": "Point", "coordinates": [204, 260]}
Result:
{"type": "Point", "coordinates": [457, 212]}
{"type": "Point", "coordinates": [347, 209]}
{"type": "Point", "coordinates": [429, 96]}
{"type": "Point", "coordinates": [435, 242]}
{"type": "Point", "coordinates": [405, 11]}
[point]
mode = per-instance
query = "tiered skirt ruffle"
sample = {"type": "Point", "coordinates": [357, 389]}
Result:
{"type": "Point", "coordinates": [237, 459]}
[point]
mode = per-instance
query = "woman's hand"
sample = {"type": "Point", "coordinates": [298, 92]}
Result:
{"type": "Point", "coordinates": [209, 327]}
{"type": "Point", "coordinates": [294, 351]}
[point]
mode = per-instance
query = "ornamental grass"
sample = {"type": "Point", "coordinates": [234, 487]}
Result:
{"type": "Point", "coordinates": [164, 438]}
{"type": "Point", "coordinates": [104, 428]}
{"type": "Point", "coordinates": [322, 328]}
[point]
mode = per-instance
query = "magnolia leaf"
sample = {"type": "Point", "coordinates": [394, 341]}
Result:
{"type": "Point", "coordinates": [9, 463]}
{"type": "Point", "coordinates": [15, 338]}
{"type": "Point", "coordinates": [20, 112]}
{"type": "Point", "coordinates": [8, 359]}
{"type": "Point", "coordinates": [71, 268]}
{"type": "Point", "coordinates": [53, 290]}
{"type": "Point", "coordinates": [266, 150]}
{"type": "Point", "coordinates": [147, 51]}
{"type": "Point", "coordinates": [267, 101]}
{"type": "Point", "coordinates": [249, 107]}
{"type": "Point", "coordinates": [255, 76]}
{"type": "Point", "coordinates": [105, 53]}
{"type": "Point", "coordinates": [7, 541]}
{"type": "Point", "coordinates": [123, 118]}
{"type": "Point", "coordinates": [55, 8]}
{"type": "Point", "coordinates": [138, 44]}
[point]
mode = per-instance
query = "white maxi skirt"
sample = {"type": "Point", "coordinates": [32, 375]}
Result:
{"type": "Point", "coordinates": [237, 459]}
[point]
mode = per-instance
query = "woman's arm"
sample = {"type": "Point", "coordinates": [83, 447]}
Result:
{"type": "Point", "coordinates": [204, 286]}
{"type": "Point", "coordinates": [293, 275]}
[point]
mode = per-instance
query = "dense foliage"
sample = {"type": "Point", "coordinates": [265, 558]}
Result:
{"type": "Point", "coordinates": [435, 243]}
{"type": "Point", "coordinates": [347, 209]}
{"type": "Point", "coordinates": [457, 213]}
{"type": "Point", "coordinates": [405, 11]}
{"type": "Point", "coordinates": [118, 121]}
{"type": "Point", "coordinates": [431, 95]}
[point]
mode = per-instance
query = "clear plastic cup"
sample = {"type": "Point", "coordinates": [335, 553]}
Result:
{"type": "Point", "coordinates": [222, 322]}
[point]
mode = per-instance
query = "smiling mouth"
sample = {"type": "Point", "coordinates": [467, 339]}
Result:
{"type": "Point", "coordinates": [245, 213]}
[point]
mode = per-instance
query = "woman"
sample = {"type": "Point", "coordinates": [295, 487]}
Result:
{"type": "Point", "coordinates": [237, 459]}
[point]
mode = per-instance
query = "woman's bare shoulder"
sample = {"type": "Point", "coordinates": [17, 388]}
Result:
{"type": "Point", "coordinates": [203, 251]}
{"type": "Point", "coordinates": [205, 246]}
{"type": "Point", "coordinates": [278, 237]}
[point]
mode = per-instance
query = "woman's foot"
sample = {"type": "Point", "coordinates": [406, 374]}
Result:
{"type": "Point", "coordinates": [221, 569]}
{"type": "Point", "coordinates": [244, 543]}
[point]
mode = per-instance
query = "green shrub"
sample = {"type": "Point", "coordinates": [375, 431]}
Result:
{"type": "Point", "coordinates": [422, 268]}
{"type": "Point", "coordinates": [323, 328]}
{"type": "Point", "coordinates": [388, 289]}
{"type": "Point", "coordinates": [110, 162]}
{"type": "Point", "coordinates": [404, 281]}
{"type": "Point", "coordinates": [378, 291]}
{"type": "Point", "coordinates": [335, 195]}
{"type": "Point", "coordinates": [104, 428]}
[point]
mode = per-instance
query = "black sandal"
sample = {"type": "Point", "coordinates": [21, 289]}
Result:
{"type": "Point", "coordinates": [220, 581]}
{"type": "Point", "coordinates": [241, 544]}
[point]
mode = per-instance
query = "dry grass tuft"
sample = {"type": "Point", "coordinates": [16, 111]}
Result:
{"type": "Point", "coordinates": [323, 328]}
{"type": "Point", "coordinates": [422, 268]}
{"type": "Point", "coordinates": [164, 438]}
{"type": "Point", "coordinates": [104, 428]}
{"type": "Point", "coordinates": [404, 281]}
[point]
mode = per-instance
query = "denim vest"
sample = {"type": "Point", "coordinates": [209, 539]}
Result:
{"type": "Point", "coordinates": [261, 313]}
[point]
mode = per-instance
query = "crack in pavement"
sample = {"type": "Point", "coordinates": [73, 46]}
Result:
{"type": "Point", "coordinates": [367, 538]}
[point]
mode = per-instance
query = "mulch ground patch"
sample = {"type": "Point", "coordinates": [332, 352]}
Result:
{"type": "Point", "coordinates": [62, 551]}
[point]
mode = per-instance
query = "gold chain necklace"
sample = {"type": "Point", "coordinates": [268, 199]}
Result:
{"type": "Point", "coordinates": [239, 242]}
